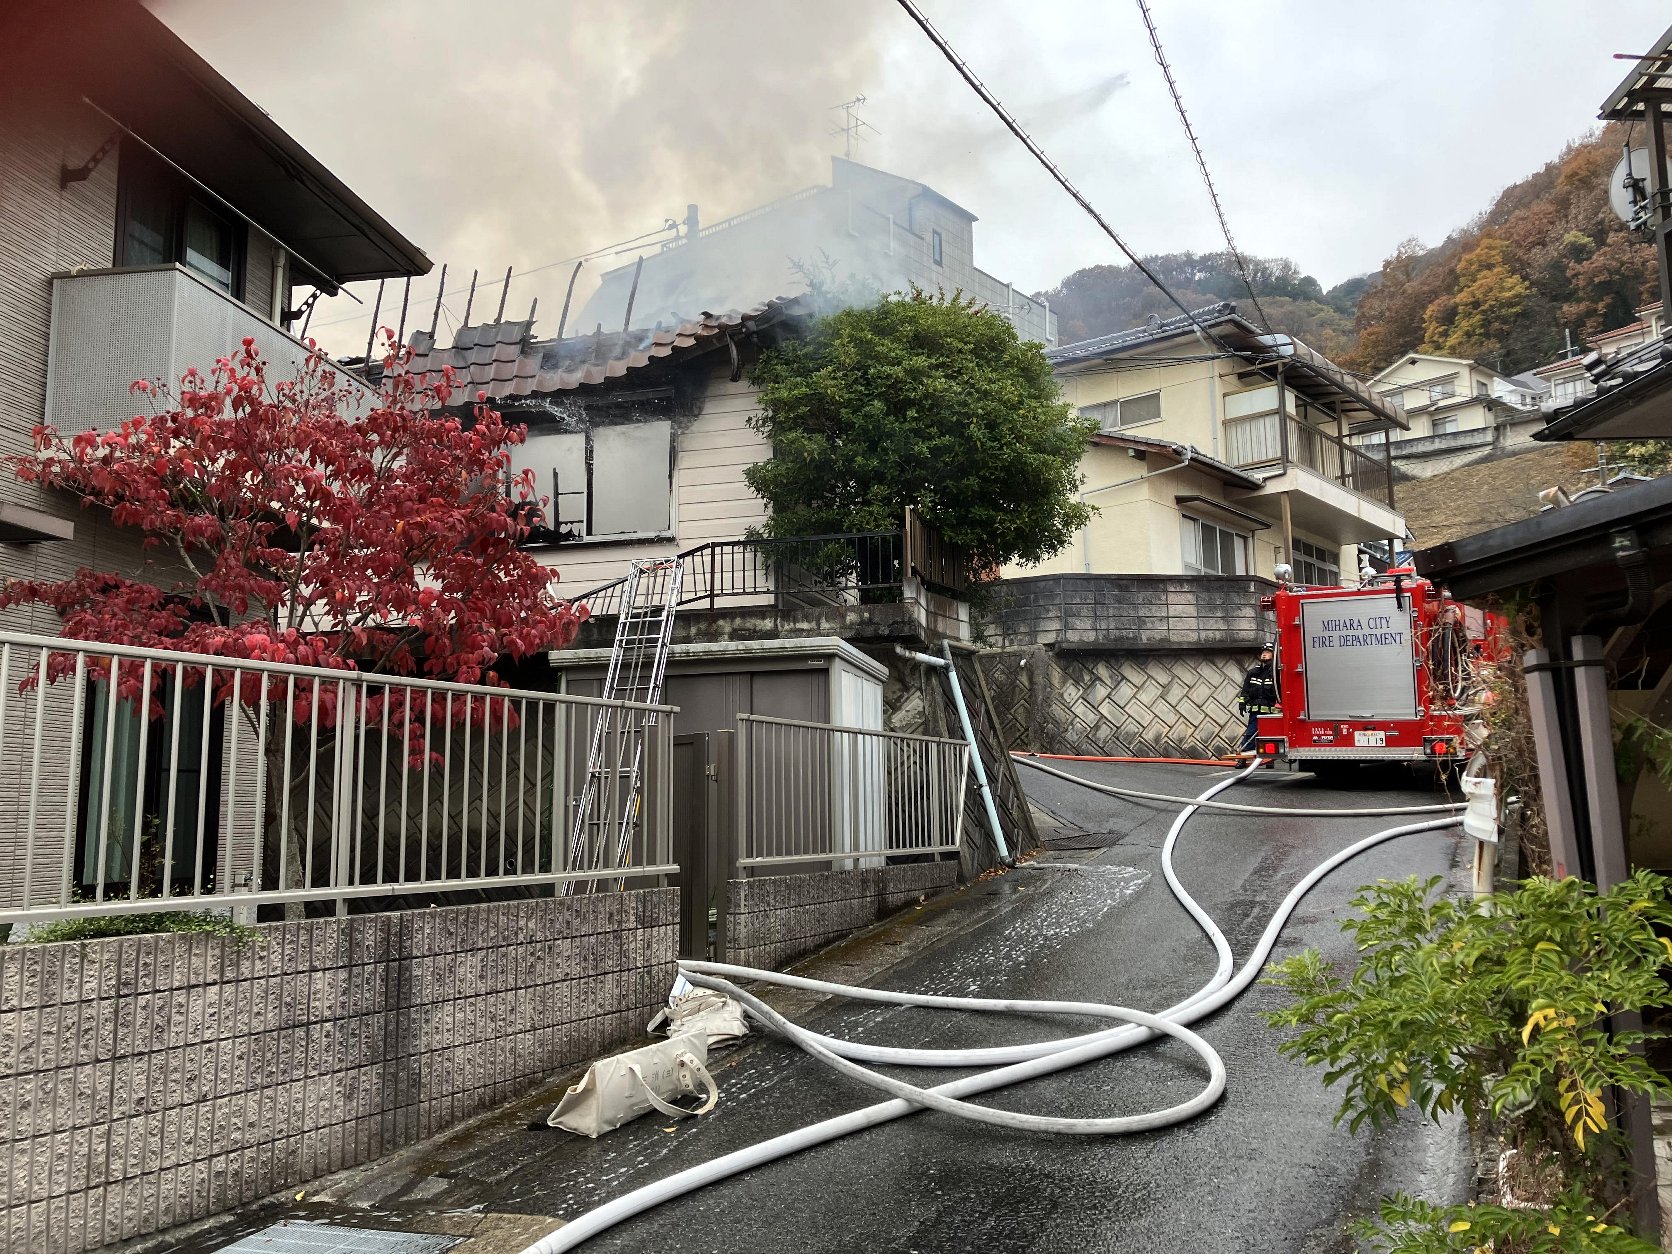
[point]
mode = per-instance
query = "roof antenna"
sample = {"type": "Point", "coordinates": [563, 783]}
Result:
{"type": "Point", "coordinates": [371, 335]}
{"type": "Point", "coordinates": [469, 300]}
{"type": "Point", "coordinates": [435, 315]}
{"type": "Point", "coordinates": [504, 291]}
{"type": "Point", "coordinates": [563, 320]}
{"type": "Point", "coordinates": [852, 125]}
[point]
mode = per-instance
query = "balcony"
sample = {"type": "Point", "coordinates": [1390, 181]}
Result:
{"type": "Point", "coordinates": [1335, 486]}
{"type": "Point", "coordinates": [911, 584]}
{"type": "Point", "coordinates": [112, 327]}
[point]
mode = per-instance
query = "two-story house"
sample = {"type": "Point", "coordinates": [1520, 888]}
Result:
{"type": "Point", "coordinates": [1457, 410]}
{"type": "Point", "coordinates": [151, 217]}
{"type": "Point", "coordinates": [871, 228]}
{"type": "Point", "coordinates": [1223, 455]}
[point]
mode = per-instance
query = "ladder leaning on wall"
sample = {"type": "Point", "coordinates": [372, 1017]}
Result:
{"type": "Point", "coordinates": [609, 808]}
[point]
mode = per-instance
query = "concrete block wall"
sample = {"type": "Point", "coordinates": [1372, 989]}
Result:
{"type": "Point", "coordinates": [772, 920]}
{"type": "Point", "coordinates": [148, 1081]}
{"type": "Point", "coordinates": [1151, 612]}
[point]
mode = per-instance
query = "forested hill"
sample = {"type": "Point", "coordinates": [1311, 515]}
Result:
{"type": "Point", "coordinates": [1103, 299]}
{"type": "Point", "coordinates": [1548, 255]}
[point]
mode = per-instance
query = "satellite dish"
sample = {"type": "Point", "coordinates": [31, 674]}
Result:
{"type": "Point", "coordinates": [1628, 186]}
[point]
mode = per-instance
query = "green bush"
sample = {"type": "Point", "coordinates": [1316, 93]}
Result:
{"type": "Point", "coordinates": [1496, 1008]}
{"type": "Point", "coordinates": [97, 927]}
{"type": "Point", "coordinates": [1405, 1225]}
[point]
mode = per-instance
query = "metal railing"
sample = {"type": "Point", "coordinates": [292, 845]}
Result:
{"type": "Point", "coordinates": [810, 572]}
{"type": "Point", "coordinates": [1279, 439]}
{"type": "Point", "coordinates": [844, 796]}
{"type": "Point", "coordinates": [139, 779]}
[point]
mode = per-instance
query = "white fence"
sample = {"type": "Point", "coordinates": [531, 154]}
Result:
{"type": "Point", "coordinates": [137, 779]}
{"type": "Point", "coordinates": [844, 796]}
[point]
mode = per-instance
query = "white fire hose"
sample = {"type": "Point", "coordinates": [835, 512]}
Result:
{"type": "Point", "coordinates": [1014, 1063]}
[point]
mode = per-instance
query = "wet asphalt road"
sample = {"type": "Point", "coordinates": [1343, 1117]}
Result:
{"type": "Point", "coordinates": [1264, 1171]}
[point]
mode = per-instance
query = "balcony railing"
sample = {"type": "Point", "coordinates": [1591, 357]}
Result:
{"type": "Point", "coordinates": [111, 327]}
{"type": "Point", "coordinates": [811, 572]}
{"type": "Point", "coordinates": [1279, 440]}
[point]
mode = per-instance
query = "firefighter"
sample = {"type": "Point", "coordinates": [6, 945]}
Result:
{"type": "Point", "coordinates": [1259, 695]}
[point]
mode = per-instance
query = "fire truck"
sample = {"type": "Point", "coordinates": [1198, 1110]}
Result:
{"type": "Point", "coordinates": [1378, 673]}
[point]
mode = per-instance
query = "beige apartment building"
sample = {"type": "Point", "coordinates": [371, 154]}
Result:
{"type": "Point", "coordinates": [1224, 451]}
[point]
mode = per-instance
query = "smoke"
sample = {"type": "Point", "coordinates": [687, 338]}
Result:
{"type": "Point", "coordinates": [520, 132]}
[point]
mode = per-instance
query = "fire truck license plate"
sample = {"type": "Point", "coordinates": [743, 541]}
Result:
{"type": "Point", "coordinates": [1370, 740]}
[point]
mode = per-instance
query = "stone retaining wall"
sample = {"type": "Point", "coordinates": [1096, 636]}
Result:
{"type": "Point", "coordinates": [772, 920]}
{"type": "Point", "coordinates": [152, 1080]}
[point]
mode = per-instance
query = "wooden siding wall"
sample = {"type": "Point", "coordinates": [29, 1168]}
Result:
{"type": "Point", "coordinates": [710, 499]}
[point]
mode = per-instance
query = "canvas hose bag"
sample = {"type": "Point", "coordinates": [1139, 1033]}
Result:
{"type": "Point", "coordinates": [714, 1014]}
{"type": "Point", "coordinates": [618, 1090]}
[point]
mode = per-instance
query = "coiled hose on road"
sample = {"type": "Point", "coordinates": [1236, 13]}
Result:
{"type": "Point", "coordinates": [1015, 1063]}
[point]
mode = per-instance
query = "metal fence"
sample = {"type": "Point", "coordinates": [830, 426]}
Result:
{"type": "Point", "coordinates": [844, 796]}
{"type": "Point", "coordinates": [138, 779]}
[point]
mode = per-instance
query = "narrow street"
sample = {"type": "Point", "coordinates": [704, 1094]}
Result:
{"type": "Point", "coordinates": [1265, 1171]}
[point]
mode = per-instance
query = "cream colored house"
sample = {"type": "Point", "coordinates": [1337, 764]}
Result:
{"type": "Point", "coordinates": [1223, 455]}
{"type": "Point", "coordinates": [1444, 395]}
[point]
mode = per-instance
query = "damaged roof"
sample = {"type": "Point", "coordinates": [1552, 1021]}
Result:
{"type": "Point", "coordinates": [504, 359]}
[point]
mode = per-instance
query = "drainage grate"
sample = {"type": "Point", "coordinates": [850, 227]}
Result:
{"type": "Point", "coordinates": [306, 1236]}
{"type": "Point", "coordinates": [1086, 840]}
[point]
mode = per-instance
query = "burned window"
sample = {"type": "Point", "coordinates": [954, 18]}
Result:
{"type": "Point", "coordinates": [603, 481]}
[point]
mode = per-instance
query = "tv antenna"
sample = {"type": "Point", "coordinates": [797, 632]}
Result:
{"type": "Point", "coordinates": [852, 126]}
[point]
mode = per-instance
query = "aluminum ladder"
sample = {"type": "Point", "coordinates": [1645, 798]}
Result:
{"type": "Point", "coordinates": [607, 812]}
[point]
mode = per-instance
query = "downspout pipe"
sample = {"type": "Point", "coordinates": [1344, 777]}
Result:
{"type": "Point", "coordinates": [981, 784]}
{"type": "Point", "coordinates": [1188, 452]}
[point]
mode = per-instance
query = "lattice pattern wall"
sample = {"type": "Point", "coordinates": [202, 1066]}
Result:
{"type": "Point", "coordinates": [1144, 704]}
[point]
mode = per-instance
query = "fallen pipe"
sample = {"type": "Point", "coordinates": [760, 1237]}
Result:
{"type": "Point", "coordinates": [979, 766]}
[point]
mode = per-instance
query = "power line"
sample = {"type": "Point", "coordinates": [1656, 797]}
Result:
{"type": "Point", "coordinates": [1015, 128]}
{"type": "Point", "coordinates": [1201, 162]}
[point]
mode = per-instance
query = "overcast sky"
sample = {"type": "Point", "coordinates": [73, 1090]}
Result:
{"type": "Point", "coordinates": [522, 132]}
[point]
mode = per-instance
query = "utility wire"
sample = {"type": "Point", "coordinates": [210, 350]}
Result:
{"type": "Point", "coordinates": [1201, 162]}
{"type": "Point", "coordinates": [1015, 128]}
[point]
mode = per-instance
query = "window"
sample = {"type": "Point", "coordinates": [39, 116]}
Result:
{"type": "Point", "coordinates": [1444, 426]}
{"type": "Point", "coordinates": [1395, 401]}
{"type": "Point", "coordinates": [1129, 411]}
{"type": "Point", "coordinates": [1315, 566]}
{"type": "Point", "coordinates": [606, 481]}
{"type": "Point", "coordinates": [1371, 439]}
{"type": "Point", "coordinates": [161, 219]}
{"type": "Point", "coordinates": [1210, 549]}
{"type": "Point", "coordinates": [935, 248]}
{"type": "Point", "coordinates": [114, 795]}
{"type": "Point", "coordinates": [1481, 388]}
{"type": "Point", "coordinates": [1441, 391]}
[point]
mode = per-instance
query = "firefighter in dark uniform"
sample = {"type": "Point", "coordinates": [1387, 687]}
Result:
{"type": "Point", "coordinates": [1259, 695]}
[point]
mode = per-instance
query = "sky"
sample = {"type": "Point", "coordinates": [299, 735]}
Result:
{"type": "Point", "coordinates": [525, 132]}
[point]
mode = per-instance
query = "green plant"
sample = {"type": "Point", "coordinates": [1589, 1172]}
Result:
{"type": "Point", "coordinates": [923, 401]}
{"type": "Point", "coordinates": [1495, 1007]}
{"type": "Point", "coordinates": [97, 927]}
{"type": "Point", "coordinates": [1407, 1225]}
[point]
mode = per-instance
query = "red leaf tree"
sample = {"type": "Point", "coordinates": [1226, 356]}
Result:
{"type": "Point", "coordinates": [305, 523]}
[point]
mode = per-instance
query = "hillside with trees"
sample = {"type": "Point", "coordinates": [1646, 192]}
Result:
{"type": "Point", "coordinates": [1100, 300]}
{"type": "Point", "coordinates": [1547, 257]}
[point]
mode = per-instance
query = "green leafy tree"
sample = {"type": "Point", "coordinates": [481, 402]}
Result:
{"type": "Point", "coordinates": [1496, 1008]}
{"type": "Point", "coordinates": [924, 401]}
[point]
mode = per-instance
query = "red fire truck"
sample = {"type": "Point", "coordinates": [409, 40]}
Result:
{"type": "Point", "coordinates": [1377, 673]}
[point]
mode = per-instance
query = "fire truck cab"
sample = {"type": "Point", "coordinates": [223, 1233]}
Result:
{"type": "Point", "coordinates": [1377, 673]}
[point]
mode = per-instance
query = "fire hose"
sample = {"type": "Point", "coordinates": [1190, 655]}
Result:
{"type": "Point", "coordinates": [1014, 1063]}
